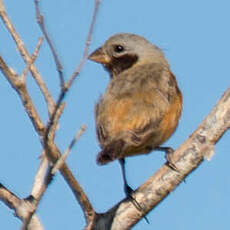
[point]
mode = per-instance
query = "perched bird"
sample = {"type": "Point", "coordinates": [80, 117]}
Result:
{"type": "Point", "coordinates": [142, 104]}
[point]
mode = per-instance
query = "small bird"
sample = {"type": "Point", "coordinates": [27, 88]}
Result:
{"type": "Point", "coordinates": [142, 104]}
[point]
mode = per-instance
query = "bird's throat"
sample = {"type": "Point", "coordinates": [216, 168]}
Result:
{"type": "Point", "coordinates": [118, 65]}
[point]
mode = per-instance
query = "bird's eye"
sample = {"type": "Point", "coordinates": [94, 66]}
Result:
{"type": "Point", "coordinates": [118, 48]}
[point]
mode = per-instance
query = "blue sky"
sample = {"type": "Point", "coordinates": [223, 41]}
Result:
{"type": "Point", "coordinates": [194, 36]}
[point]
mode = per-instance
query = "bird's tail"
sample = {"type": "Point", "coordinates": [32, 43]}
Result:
{"type": "Point", "coordinates": [110, 152]}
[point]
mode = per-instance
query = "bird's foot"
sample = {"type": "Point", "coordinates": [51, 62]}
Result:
{"type": "Point", "coordinates": [168, 156]}
{"type": "Point", "coordinates": [128, 191]}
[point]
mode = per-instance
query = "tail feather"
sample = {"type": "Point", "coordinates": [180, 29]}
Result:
{"type": "Point", "coordinates": [110, 152]}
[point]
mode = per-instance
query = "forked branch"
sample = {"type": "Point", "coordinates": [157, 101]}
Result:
{"type": "Point", "coordinates": [46, 133]}
{"type": "Point", "coordinates": [26, 57]}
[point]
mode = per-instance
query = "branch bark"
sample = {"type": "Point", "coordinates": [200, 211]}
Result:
{"type": "Point", "coordinates": [54, 153]}
{"type": "Point", "coordinates": [21, 207]}
{"type": "Point", "coordinates": [26, 57]}
{"type": "Point", "coordinates": [47, 133]}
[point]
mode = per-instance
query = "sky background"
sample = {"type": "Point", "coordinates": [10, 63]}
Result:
{"type": "Point", "coordinates": [194, 36]}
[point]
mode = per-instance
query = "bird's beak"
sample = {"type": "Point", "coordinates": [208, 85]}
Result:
{"type": "Point", "coordinates": [99, 56]}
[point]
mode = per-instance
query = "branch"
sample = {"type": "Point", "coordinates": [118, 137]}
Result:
{"type": "Point", "coordinates": [26, 57]}
{"type": "Point", "coordinates": [62, 159]}
{"type": "Point", "coordinates": [186, 158]}
{"type": "Point", "coordinates": [67, 86]}
{"type": "Point", "coordinates": [41, 23]}
{"type": "Point", "coordinates": [46, 132]}
{"type": "Point", "coordinates": [53, 152]}
{"type": "Point", "coordinates": [87, 44]}
{"type": "Point", "coordinates": [44, 177]}
{"type": "Point", "coordinates": [56, 121]}
{"type": "Point", "coordinates": [21, 207]}
{"type": "Point", "coordinates": [51, 149]}
{"type": "Point", "coordinates": [20, 87]}
{"type": "Point", "coordinates": [40, 176]}
{"type": "Point", "coordinates": [32, 60]}
{"type": "Point", "coordinates": [76, 188]}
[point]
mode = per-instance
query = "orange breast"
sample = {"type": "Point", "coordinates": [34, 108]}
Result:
{"type": "Point", "coordinates": [128, 115]}
{"type": "Point", "coordinates": [121, 116]}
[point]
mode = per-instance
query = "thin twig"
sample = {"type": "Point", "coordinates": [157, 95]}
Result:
{"type": "Point", "coordinates": [48, 144]}
{"type": "Point", "coordinates": [32, 60]}
{"type": "Point", "coordinates": [41, 23]}
{"type": "Point", "coordinates": [26, 57]}
{"type": "Point", "coordinates": [54, 153]}
{"type": "Point", "coordinates": [50, 129]}
{"type": "Point", "coordinates": [50, 147]}
{"type": "Point", "coordinates": [56, 120]}
{"type": "Point", "coordinates": [62, 159]}
{"type": "Point", "coordinates": [42, 180]}
{"type": "Point", "coordinates": [87, 44]}
{"type": "Point", "coordinates": [75, 74]}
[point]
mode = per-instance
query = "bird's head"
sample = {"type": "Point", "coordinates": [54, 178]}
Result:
{"type": "Point", "coordinates": [122, 51]}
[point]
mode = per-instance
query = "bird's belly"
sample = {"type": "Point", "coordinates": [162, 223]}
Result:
{"type": "Point", "coordinates": [162, 133]}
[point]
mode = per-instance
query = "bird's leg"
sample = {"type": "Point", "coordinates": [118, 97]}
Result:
{"type": "Point", "coordinates": [168, 156]}
{"type": "Point", "coordinates": [128, 190]}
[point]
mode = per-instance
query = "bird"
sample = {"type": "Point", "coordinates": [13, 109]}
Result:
{"type": "Point", "coordinates": [142, 104]}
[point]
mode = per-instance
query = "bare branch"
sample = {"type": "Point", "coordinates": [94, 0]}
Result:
{"type": "Point", "coordinates": [32, 60]}
{"type": "Point", "coordinates": [53, 152]}
{"type": "Point", "coordinates": [44, 177]}
{"type": "Point", "coordinates": [10, 199]}
{"type": "Point", "coordinates": [2, 7]}
{"type": "Point", "coordinates": [45, 133]}
{"type": "Point", "coordinates": [78, 191]}
{"type": "Point", "coordinates": [56, 120]}
{"type": "Point", "coordinates": [76, 188]}
{"type": "Point", "coordinates": [41, 23]}
{"type": "Point", "coordinates": [26, 57]}
{"type": "Point", "coordinates": [87, 44]}
{"type": "Point", "coordinates": [34, 202]}
{"type": "Point", "coordinates": [20, 88]}
{"type": "Point", "coordinates": [40, 176]}
{"type": "Point", "coordinates": [70, 82]}
{"type": "Point", "coordinates": [62, 159]}
{"type": "Point", "coordinates": [41, 182]}
{"type": "Point", "coordinates": [21, 207]}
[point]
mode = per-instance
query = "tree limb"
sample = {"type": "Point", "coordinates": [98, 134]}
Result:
{"type": "Point", "coordinates": [21, 207]}
{"type": "Point", "coordinates": [26, 57]}
{"type": "Point", "coordinates": [53, 152]}
{"type": "Point", "coordinates": [41, 23]}
{"type": "Point", "coordinates": [20, 87]}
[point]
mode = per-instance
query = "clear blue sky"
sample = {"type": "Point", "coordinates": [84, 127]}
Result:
{"type": "Point", "coordinates": [194, 36]}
